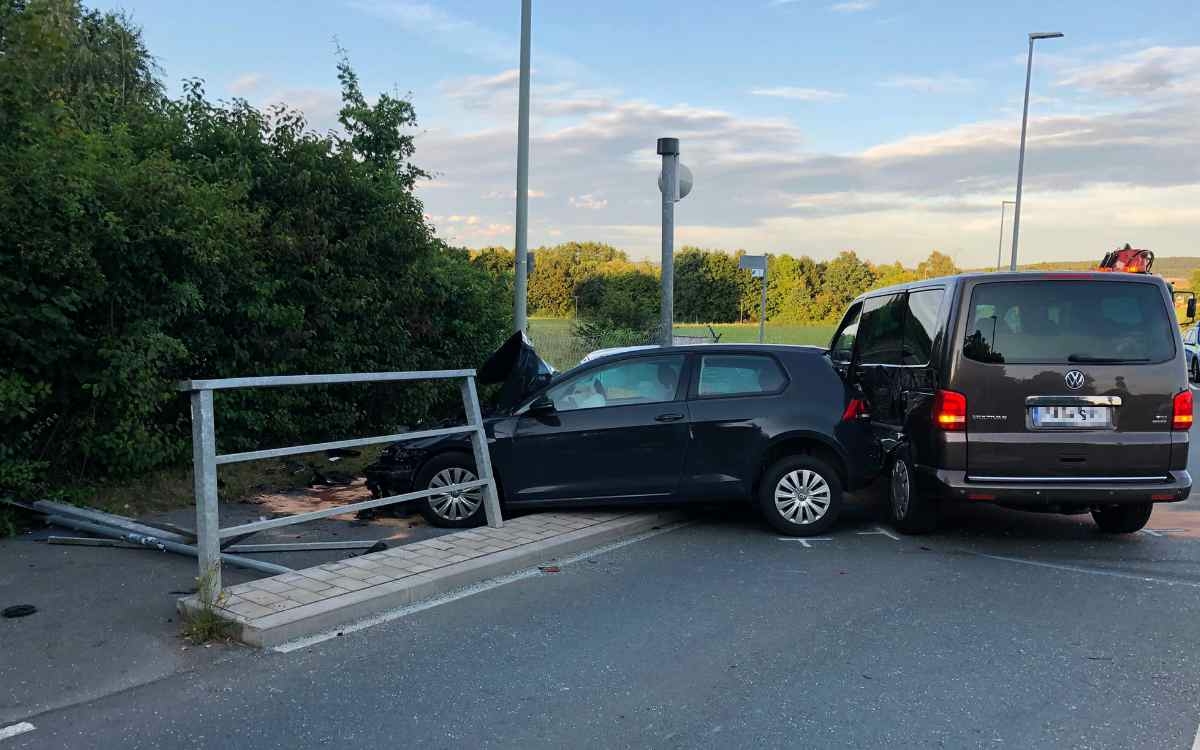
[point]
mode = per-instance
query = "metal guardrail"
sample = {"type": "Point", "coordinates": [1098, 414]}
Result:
{"type": "Point", "coordinates": [205, 458]}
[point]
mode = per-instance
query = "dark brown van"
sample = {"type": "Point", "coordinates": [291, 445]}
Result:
{"type": "Point", "coordinates": [1044, 391]}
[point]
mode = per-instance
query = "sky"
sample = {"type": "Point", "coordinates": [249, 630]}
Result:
{"type": "Point", "coordinates": [889, 127]}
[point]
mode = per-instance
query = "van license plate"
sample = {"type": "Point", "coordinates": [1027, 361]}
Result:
{"type": "Point", "coordinates": [1097, 417]}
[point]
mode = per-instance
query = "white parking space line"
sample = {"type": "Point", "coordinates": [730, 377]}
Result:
{"type": "Point", "coordinates": [1088, 571]}
{"type": "Point", "coordinates": [881, 531]}
{"type": "Point", "coordinates": [805, 541]}
{"type": "Point", "coordinates": [1151, 532]}
{"type": "Point", "coordinates": [463, 593]}
{"type": "Point", "coordinates": [13, 730]}
{"type": "Point", "coordinates": [1196, 742]}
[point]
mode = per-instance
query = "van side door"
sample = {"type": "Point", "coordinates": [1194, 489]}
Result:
{"type": "Point", "coordinates": [879, 360]}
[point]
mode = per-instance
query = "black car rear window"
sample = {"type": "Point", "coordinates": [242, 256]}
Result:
{"type": "Point", "coordinates": [1059, 321]}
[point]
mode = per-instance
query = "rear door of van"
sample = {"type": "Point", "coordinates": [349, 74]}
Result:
{"type": "Point", "coordinates": [1067, 377]}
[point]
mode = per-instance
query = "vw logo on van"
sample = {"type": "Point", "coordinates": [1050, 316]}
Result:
{"type": "Point", "coordinates": [1075, 379]}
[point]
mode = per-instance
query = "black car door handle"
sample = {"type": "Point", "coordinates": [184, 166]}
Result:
{"type": "Point", "coordinates": [668, 418]}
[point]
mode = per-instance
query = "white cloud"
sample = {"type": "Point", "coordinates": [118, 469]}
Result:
{"type": "Point", "coordinates": [246, 83]}
{"type": "Point", "coordinates": [799, 94]}
{"type": "Point", "coordinates": [940, 84]}
{"type": "Point", "coordinates": [512, 194]}
{"type": "Point", "coordinates": [853, 6]}
{"type": "Point", "coordinates": [1152, 72]}
{"type": "Point", "coordinates": [588, 201]}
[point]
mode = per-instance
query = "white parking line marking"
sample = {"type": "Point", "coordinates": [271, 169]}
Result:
{"type": "Point", "coordinates": [880, 530]}
{"type": "Point", "coordinates": [13, 730]}
{"type": "Point", "coordinates": [805, 541]}
{"type": "Point", "coordinates": [1151, 532]}
{"type": "Point", "coordinates": [1196, 742]}
{"type": "Point", "coordinates": [1088, 571]}
{"type": "Point", "coordinates": [479, 588]}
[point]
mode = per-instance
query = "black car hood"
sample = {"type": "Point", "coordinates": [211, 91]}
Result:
{"type": "Point", "coordinates": [518, 368]}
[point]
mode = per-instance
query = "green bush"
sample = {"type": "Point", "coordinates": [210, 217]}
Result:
{"type": "Point", "coordinates": [145, 239]}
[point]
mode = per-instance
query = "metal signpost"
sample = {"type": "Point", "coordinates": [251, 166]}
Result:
{"type": "Point", "coordinates": [757, 265]}
{"type": "Point", "coordinates": [674, 182]}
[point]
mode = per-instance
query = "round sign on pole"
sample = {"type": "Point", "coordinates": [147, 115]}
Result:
{"type": "Point", "coordinates": [685, 181]}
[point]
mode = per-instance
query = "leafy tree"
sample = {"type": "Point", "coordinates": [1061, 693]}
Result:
{"type": "Point", "coordinates": [846, 277]}
{"type": "Point", "coordinates": [559, 269]}
{"type": "Point", "coordinates": [893, 273]}
{"type": "Point", "coordinates": [621, 294]}
{"type": "Point", "coordinates": [708, 285]}
{"type": "Point", "coordinates": [937, 264]}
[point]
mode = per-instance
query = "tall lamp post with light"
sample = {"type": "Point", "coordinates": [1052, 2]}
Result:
{"type": "Point", "coordinates": [1024, 125]}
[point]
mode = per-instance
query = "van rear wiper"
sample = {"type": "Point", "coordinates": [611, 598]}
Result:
{"type": "Point", "coordinates": [1105, 360]}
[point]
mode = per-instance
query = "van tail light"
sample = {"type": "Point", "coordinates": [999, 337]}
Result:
{"type": "Point", "coordinates": [950, 411]}
{"type": "Point", "coordinates": [856, 409]}
{"type": "Point", "coordinates": [1181, 418]}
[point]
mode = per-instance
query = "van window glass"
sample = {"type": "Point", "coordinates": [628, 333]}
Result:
{"type": "Point", "coordinates": [1061, 321]}
{"type": "Point", "coordinates": [843, 341]}
{"type": "Point", "coordinates": [881, 335]}
{"type": "Point", "coordinates": [645, 380]}
{"type": "Point", "coordinates": [727, 375]}
{"type": "Point", "coordinates": [920, 325]}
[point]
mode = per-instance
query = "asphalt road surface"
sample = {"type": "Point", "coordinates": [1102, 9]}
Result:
{"type": "Point", "coordinates": [1004, 629]}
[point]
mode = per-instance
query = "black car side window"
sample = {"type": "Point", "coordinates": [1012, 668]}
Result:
{"type": "Point", "coordinates": [843, 340]}
{"type": "Point", "coordinates": [644, 380]}
{"type": "Point", "coordinates": [738, 374]}
{"type": "Point", "coordinates": [881, 333]}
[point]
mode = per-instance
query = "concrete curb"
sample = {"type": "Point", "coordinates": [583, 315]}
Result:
{"type": "Point", "coordinates": [343, 609]}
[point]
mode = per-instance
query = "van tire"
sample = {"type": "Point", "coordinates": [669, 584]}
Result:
{"type": "Point", "coordinates": [910, 510]}
{"type": "Point", "coordinates": [794, 472]}
{"type": "Point", "coordinates": [1194, 371]}
{"type": "Point", "coordinates": [1123, 519]}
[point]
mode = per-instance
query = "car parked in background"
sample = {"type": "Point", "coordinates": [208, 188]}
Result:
{"type": "Point", "coordinates": [1191, 345]}
{"type": "Point", "coordinates": [772, 424]}
{"type": "Point", "coordinates": [1054, 392]}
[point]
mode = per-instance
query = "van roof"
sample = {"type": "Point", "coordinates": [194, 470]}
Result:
{"type": "Point", "coordinates": [947, 281]}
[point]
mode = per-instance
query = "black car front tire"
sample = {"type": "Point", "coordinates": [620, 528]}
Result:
{"type": "Point", "coordinates": [800, 495]}
{"type": "Point", "coordinates": [1123, 519]}
{"type": "Point", "coordinates": [453, 510]}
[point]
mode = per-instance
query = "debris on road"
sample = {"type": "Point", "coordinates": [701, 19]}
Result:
{"type": "Point", "coordinates": [18, 610]}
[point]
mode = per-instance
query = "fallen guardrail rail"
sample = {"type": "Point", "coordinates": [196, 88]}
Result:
{"type": "Point", "coordinates": [205, 459]}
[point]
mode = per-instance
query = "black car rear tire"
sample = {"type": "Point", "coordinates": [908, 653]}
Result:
{"type": "Point", "coordinates": [800, 495]}
{"type": "Point", "coordinates": [911, 510]}
{"type": "Point", "coordinates": [1123, 519]}
{"type": "Point", "coordinates": [454, 510]}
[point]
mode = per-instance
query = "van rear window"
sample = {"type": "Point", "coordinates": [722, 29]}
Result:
{"type": "Point", "coordinates": [1054, 322]}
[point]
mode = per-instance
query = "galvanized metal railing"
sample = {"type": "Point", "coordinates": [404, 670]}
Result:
{"type": "Point", "coordinates": [205, 459]}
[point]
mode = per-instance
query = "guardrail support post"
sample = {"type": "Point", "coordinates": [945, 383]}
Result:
{"type": "Point", "coordinates": [483, 460]}
{"type": "Point", "coordinates": [204, 472]}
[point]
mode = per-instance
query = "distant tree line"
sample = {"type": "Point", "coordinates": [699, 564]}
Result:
{"type": "Point", "coordinates": [598, 282]}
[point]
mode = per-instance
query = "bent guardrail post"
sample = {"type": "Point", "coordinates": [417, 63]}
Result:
{"type": "Point", "coordinates": [204, 469]}
{"type": "Point", "coordinates": [479, 446]}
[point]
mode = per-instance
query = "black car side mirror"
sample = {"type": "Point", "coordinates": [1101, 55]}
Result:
{"type": "Point", "coordinates": [541, 405]}
{"type": "Point", "coordinates": [1191, 308]}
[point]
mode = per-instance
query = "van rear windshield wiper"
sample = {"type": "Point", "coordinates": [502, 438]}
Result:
{"type": "Point", "coordinates": [1105, 360]}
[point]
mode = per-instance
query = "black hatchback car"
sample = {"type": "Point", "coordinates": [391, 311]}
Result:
{"type": "Point", "coordinates": [773, 424]}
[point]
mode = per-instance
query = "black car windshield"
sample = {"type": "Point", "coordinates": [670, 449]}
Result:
{"type": "Point", "coordinates": [1060, 321]}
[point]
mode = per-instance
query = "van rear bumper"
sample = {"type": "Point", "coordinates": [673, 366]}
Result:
{"type": "Point", "coordinates": [956, 485]}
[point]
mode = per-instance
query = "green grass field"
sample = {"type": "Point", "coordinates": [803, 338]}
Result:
{"type": "Point", "coordinates": [554, 341]}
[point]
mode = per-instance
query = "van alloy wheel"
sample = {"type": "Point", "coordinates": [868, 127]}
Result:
{"type": "Point", "coordinates": [458, 504]}
{"type": "Point", "coordinates": [901, 489]}
{"type": "Point", "coordinates": [802, 496]}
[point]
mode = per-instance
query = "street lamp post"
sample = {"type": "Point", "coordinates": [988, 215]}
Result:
{"type": "Point", "coordinates": [520, 260]}
{"type": "Point", "coordinates": [1012, 266]}
{"type": "Point", "coordinates": [1000, 242]}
